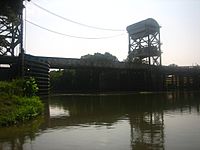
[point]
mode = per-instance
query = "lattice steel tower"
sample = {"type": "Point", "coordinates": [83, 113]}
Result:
{"type": "Point", "coordinates": [144, 42]}
{"type": "Point", "coordinates": [11, 27]}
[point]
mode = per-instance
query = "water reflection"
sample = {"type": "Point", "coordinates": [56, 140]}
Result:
{"type": "Point", "coordinates": [126, 121]}
{"type": "Point", "coordinates": [56, 111]}
{"type": "Point", "coordinates": [15, 137]}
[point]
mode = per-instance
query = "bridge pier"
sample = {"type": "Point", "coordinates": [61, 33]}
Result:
{"type": "Point", "coordinates": [38, 69]}
{"type": "Point", "coordinates": [10, 68]}
{"type": "Point", "coordinates": [184, 79]}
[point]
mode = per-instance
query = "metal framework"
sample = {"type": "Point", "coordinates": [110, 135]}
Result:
{"type": "Point", "coordinates": [144, 42]}
{"type": "Point", "coordinates": [10, 35]}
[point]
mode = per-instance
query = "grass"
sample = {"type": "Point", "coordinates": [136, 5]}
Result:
{"type": "Point", "coordinates": [17, 101]}
{"type": "Point", "coordinates": [15, 109]}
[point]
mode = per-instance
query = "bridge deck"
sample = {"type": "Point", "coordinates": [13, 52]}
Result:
{"type": "Point", "coordinates": [140, 75]}
{"type": "Point", "coordinates": [68, 63]}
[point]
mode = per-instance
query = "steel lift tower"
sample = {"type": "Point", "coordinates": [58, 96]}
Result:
{"type": "Point", "coordinates": [144, 42]}
{"type": "Point", "coordinates": [11, 32]}
{"type": "Point", "coordinates": [11, 27]}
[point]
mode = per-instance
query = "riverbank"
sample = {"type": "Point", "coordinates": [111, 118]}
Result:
{"type": "Point", "coordinates": [15, 109]}
{"type": "Point", "coordinates": [18, 102]}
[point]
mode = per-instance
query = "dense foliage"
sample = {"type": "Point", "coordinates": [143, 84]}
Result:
{"type": "Point", "coordinates": [20, 87]}
{"type": "Point", "coordinates": [106, 57]}
{"type": "Point", "coordinates": [15, 109]}
{"type": "Point", "coordinates": [17, 101]}
{"type": "Point", "coordinates": [12, 88]}
{"type": "Point", "coordinates": [30, 87]}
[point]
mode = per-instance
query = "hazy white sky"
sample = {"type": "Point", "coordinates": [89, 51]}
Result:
{"type": "Point", "coordinates": [180, 32]}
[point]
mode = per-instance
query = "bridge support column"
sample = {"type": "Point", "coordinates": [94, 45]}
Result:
{"type": "Point", "coordinates": [40, 71]}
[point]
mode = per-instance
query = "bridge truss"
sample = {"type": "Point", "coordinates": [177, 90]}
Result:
{"type": "Point", "coordinates": [11, 27]}
{"type": "Point", "coordinates": [144, 42]}
{"type": "Point", "coordinates": [10, 36]}
{"type": "Point", "coordinates": [146, 49]}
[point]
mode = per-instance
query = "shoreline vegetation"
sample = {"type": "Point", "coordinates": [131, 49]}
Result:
{"type": "Point", "coordinates": [18, 101]}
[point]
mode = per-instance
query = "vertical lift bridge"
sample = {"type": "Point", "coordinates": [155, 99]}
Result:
{"type": "Point", "coordinates": [144, 42]}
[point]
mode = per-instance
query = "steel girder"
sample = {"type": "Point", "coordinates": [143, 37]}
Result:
{"type": "Point", "coordinates": [10, 35]}
{"type": "Point", "coordinates": [145, 49]}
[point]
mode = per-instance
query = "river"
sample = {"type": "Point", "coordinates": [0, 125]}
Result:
{"type": "Point", "coordinates": [126, 121]}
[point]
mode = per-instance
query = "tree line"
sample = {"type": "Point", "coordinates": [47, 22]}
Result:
{"type": "Point", "coordinates": [98, 79]}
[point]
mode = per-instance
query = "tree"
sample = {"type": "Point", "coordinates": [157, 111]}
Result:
{"type": "Point", "coordinates": [136, 60]}
{"type": "Point", "coordinates": [173, 65]}
{"type": "Point", "coordinates": [107, 57]}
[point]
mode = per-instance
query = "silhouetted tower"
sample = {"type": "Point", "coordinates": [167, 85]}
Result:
{"type": "Point", "coordinates": [144, 42]}
{"type": "Point", "coordinates": [11, 31]}
{"type": "Point", "coordinates": [11, 27]}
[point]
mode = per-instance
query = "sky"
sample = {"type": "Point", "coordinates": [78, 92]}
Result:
{"type": "Point", "coordinates": [179, 21]}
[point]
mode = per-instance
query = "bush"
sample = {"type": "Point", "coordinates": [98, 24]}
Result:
{"type": "Point", "coordinates": [14, 109]}
{"type": "Point", "coordinates": [27, 87]}
{"type": "Point", "coordinates": [30, 87]}
{"type": "Point", "coordinates": [17, 101]}
{"type": "Point", "coordinates": [12, 88]}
